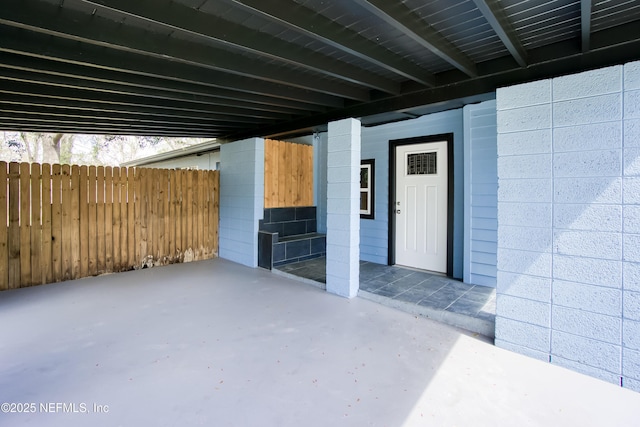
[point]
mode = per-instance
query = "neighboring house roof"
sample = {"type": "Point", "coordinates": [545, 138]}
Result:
{"type": "Point", "coordinates": [202, 148]}
{"type": "Point", "coordinates": [232, 69]}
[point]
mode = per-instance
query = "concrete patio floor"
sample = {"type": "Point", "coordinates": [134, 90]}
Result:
{"type": "Point", "coordinates": [218, 344]}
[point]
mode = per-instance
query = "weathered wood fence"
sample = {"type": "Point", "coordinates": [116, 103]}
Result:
{"type": "Point", "coordinates": [61, 222]}
{"type": "Point", "coordinates": [288, 174]}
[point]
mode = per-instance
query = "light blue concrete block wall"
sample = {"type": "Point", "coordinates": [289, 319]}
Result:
{"type": "Point", "coordinates": [375, 145]}
{"type": "Point", "coordinates": [343, 208]}
{"type": "Point", "coordinates": [568, 287]}
{"type": "Point", "coordinates": [480, 194]}
{"type": "Point", "coordinates": [241, 200]}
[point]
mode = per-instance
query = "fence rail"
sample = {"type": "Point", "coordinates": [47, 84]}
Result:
{"type": "Point", "coordinates": [62, 222]}
{"type": "Point", "coordinates": [288, 174]}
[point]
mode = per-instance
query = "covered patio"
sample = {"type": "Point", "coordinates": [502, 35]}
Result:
{"type": "Point", "coordinates": [216, 343]}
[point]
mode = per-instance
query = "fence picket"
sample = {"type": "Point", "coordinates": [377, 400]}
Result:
{"type": "Point", "coordinates": [84, 220]}
{"type": "Point", "coordinates": [108, 218]}
{"type": "Point", "coordinates": [25, 225]}
{"type": "Point", "coordinates": [65, 254]}
{"type": "Point", "coordinates": [36, 230]}
{"type": "Point", "coordinates": [75, 222]}
{"type": "Point", "coordinates": [4, 228]}
{"type": "Point", "coordinates": [47, 272]}
{"type": "Point", "coordinates": [172, 215]}
{"type": "Point", "coordinates": [100, 218]}
{"type": "Point", "coordinates": [14, 225]}
{"type": "Point", "coordinates": [56, 222]}
{"type": "Point", "coordinates": [92, 218]}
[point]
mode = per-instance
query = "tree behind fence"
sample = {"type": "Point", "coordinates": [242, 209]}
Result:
{"type": "Point", "coordinates": [61, 222]}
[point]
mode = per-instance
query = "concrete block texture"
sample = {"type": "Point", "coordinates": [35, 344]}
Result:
{"type": "Point", "coordinates": [524, 310]}
{"type": "Point", "coordinates": [630, 363]}
{"type": "Point", "coordinates": [591, 271]}
{"type": "Point", "coordinates": [588, 217]}
{"type": "Point", "coordinates": [241, 199]}
{"type": "Point", "coordinates": [524, 262]}
{"type": "Point", "coordinates": [525, 119]}
{"type": "Point", "coordinates": [533, 337]}
{"type": "Point", "coordinates": [631, 72]}
{"type": "Point", "coordinates": [631, 219]}
{"type": "Point", "coordinates": [587, 324]}
{"type": "Point", "coordinates": [525, 190]}
{"type": "Point", "coordinates": [586, 351]}
{"type": "Point", "coordinates": [595, 299]}
{"type": "Point", "coordinates": [524, 286]}
{"type": "Point", "coordinates": [631, 334]}
{"type": "Point", "coordinates": [588, 164]}
{"type": "Point", "coordinates": [596, 109]}
{"type": "Point", "coordinates": [344, 127]}
{"type": "Point", "coordinates": [522, 95]}
{"type": "Point", "coordinates": [592, 220]}
{"type": "Point", "coordinates": [589, 83]}
{"type": "Point", "coordinates": [525, 214]}
{"type": "Point", "coordinates": [593, 244]}
{"type": "Point", "coordinates": [631, 190]}
{"type": "Point", "coordinates": [632, 133]}
{"type": "Point", "coordinates": [343, 219]}
{"type": "Point", "coordinates": [632, 161]}
{"type": "Point", "coordinates": [631, 275]}
{"type": "Point", "coordinates": [589, 190]}
{"type": "Point", "coordinates": [632, 104]}
{"type": "Point", "coordinates": [520, 143]}
{"type": "Point", "coordinates": [631, 308]}
{"type": "Point", "coordinates": [522, 167]}
{"type": "Point", "coordinates": [592, 136]}
{"type": "Point", "coordinates": [631, 247]}
{"type": "Point", "coordinates": [525, 238]}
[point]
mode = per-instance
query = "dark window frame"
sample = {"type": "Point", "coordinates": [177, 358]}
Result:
{"type": "Point", "coordinates": [371, 188]}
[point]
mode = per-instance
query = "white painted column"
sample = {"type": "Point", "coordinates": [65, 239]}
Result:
{"type": "Point", "coordinates": [343, 208]}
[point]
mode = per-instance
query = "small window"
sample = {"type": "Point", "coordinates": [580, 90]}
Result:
{"type": "Point", "coordinates": [422, 164]}
{"type": "Point", "coordinates": [367, 175]}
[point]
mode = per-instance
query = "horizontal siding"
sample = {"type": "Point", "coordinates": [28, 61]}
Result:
{"type": "Point", "coordinates": [481, 186]}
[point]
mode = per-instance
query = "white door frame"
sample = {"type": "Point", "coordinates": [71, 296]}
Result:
{"type": "Point", "coordinates": [392, 192]}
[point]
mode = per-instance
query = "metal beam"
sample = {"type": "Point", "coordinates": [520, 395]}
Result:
{"type": "Point", "coordinates": [54, 121]}
{"type": "Point", "coordinates": [111, 100]}
{"type": "Point", "coordinates": [52, 72]}
{"type": "Point", "coordinates": [29, 103]}
{"type": "Point", "coordinates": [399, 16]}
{"type": "Point", "coordinates": [9, 125]}
{"type": "Point", "coordinates": [181, 18]}
{"type": "Point", "coordinates": [498, 20]}
{"type": "Point", "coordinates": [306, 21]}
{"type": "Point", "coordinates": [585, 24]}
{"type": "Point", "coordinates": [62, 86]}
{"type": "Point", "coordinates": [62, 22]}
{"type": "Point", "coordinates": [66, 51]}
{"type": "Point", "coordinates": [61, 115]}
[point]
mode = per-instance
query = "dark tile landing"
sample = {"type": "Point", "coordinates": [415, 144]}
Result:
{"type": "Point", "coordinates": [427, 294]}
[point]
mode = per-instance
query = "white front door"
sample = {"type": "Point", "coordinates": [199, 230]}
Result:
{"type": "Point", "coordinates": [421, 206]}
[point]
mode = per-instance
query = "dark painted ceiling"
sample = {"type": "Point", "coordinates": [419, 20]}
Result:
{"type": "Point", "coordinates": [237, 68]}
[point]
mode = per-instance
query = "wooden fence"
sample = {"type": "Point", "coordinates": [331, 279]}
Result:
{"type": "Point", "coordinates": [288, 174]}
{"type": "Point", "coordinates": [61, 222]}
